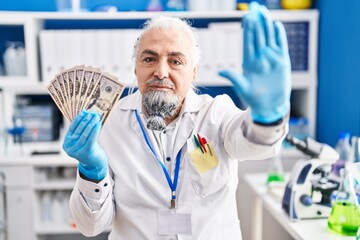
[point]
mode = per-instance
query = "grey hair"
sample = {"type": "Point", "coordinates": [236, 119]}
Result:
{"type": "Point", "coordinates": [167, 23]}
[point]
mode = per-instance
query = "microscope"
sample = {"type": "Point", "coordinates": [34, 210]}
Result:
{"type": "Point", "coordinates": [308, 192]}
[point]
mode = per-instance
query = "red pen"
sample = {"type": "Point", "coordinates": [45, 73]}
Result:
{"type": "Point", "coordinates": [201, 140]}
{"type": "Point", "coordinates": [205, 143]}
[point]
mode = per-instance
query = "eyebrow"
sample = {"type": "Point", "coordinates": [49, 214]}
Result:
{"type": "Point", "coordinates": [173, 54]}
{"type": "Point", "coordinates": [150, 52]}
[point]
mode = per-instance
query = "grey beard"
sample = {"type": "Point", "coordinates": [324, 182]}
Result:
{"type": "Point", "coordinates": [160, 106]}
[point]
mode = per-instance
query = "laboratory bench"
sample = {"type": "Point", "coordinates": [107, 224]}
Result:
{"type": "Point", "coordinates": [34, 196]}
{"type": "Point", "coordinates": [264, 200]}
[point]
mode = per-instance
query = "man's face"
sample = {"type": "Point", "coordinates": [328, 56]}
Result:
{"type": "Point", "coordinates": [165, 55]}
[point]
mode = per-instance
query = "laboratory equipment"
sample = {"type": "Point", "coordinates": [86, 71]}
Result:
{"type": "Point", "coordinates": [298, 35]}
{"type": "Point", "coordinates": [345, 215]}
{"type": "Point", "coordinates": [355, 144]}
{"type": "Point", "coordinates": [17, 133]}
{"type": "Point", "coordinates": [14, 59]}
{"type": "Point", "coordinates": [175, 5]}
{"type": "Point", "coordinates": [197, 5]}
{"type": "Point", "coordinates": [276, 171]}
{"type": "Point", "coordinates": [273, 4]}
{"type": "Point", "coordinates": [3, 221]}
{"type": "Point", "coordinates": [40, 117]}
{"type": "Point", "coordinates": [296, 4]}
{"type": "Point", "coordinates": [354, 170]}
{"type": "Point", "coordinates": [72, 5]}
{"type": "Point", "coordinates": [154, 6]}
{"type": "Point", "coordinates": [344, 149]}
{"type": "Point", "coordinates": [308, 192]}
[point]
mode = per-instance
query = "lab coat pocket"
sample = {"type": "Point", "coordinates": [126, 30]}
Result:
{"type": "Point", "coordinates": [207, 172]}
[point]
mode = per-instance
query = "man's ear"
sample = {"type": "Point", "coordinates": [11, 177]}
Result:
{"type": "Point", "coordinates": [135, 71]}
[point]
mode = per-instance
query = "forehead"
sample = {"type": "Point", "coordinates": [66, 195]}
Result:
{"type": "Point", "coordinates": [165, 40]}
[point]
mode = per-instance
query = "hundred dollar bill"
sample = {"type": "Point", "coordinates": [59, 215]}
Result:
{"type": "Point", "coordinates": [57, 101]}
{"type": "Point", "coordinates": [90, 88]}
{"type": "Point", "coordinates": [71, 75]}
{"type": "Point", "coordinates": [57, 88]}
{"type": "Point", "coordinates": [106, 93]}
{"type": "Point", "coordinates": [65, 76]}
{"type": "Point", "coordinates": [61, 84]}
{"type": "Point", "coordinates": [77, 86]}
{"type": "Point", "coordinates": [85, 83]}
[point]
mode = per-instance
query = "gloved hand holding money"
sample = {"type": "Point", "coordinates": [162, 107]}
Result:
{"type": "Point", "coordinates": [85, 88]}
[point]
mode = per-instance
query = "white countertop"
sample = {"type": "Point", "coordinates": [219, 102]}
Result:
{"type": "Point", "coordinates": [309, 229]}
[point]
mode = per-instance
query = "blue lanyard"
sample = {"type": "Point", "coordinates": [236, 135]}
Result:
{"type": "Point", "coordinates": [172, 184]}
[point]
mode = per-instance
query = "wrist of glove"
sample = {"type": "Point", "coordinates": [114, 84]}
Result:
{"type": "Point", "coordinates": [81, 143]}
{"type": "Point", "coordinates": [96, 173]}
{"type": "Point", "coordinates": [271, 116]}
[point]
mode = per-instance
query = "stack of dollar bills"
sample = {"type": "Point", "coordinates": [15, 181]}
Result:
{"type": "Point", "coordinates": [84, 87]}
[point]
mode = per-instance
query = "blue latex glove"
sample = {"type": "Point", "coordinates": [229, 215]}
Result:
{"type": "Point", "coordinates": [81, 143]}
{"type": "Point", "coordinates": [265, 84]}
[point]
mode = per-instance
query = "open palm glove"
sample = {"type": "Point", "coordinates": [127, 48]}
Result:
{"type": "Point", "coordinates": [265, 84]}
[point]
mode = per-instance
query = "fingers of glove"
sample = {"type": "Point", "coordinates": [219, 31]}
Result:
{"type": "Point", "coordinates": [85, 137]}
{"type": "Point", "coordinates": [76, 122]}
{"type": "Point", "coordinates": [70, 140]}
{"type": "Point", "coordinates": [280, 36]}
{"type": "Point", "coordinates": [268, 26]}
{"type": "Point", "coordinates": [83, 124]}
{"type": "Point", "coordinates": [240, 83]}
{"type": "Point", "coordinates": [272, 57]}
{"type": "Point", "coordinates": [251, 23]}
{"type": "Point", "coordinates": [249, 44]}
{"type": "Point", "coordinates": [254, 6]}
{"type": "Point", "coordinates": [260, 41]}
{"type": "Point", "coordinates": [74, 142]}
{"type": "Point", "coordinates": [93, 136]}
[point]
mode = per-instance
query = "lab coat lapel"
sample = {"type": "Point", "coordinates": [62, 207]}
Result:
{"type": "Point", "coordinates": [149, 135]}
{"type": "Point", "coordinates": [133, 102]}
{"type": "Point", "coordinates": [187, 123]}
{"type": "Point", "coordinates": [184, 132]}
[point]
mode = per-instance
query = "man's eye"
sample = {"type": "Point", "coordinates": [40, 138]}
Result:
{"type": "Point", "coordinates": [176, 62]}
{"type": "Point", "coordinates": [148, 59]}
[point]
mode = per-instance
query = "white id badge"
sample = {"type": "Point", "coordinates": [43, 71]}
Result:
{"type": "Point", "coordinates": [172, 223]}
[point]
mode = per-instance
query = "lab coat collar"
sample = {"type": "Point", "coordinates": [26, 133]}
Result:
{"type": "Point", "coordinates": [192, 102]}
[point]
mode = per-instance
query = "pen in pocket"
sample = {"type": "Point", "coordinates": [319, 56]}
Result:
{"type": "Point", "coordinates": [198, 143]}
{"type": "Point", "coordinates": [205, 143]}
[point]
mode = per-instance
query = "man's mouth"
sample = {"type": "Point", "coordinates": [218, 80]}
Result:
{"type": "Point", "coordinates": [158, 87]}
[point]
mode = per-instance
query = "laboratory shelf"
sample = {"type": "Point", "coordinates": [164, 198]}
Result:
{"type": "Point", "coordinates": [14, 81]}
{"type": "Point", "coordinates": [55, 228]}
{"type": "Point", "coordinates": [60, 184]}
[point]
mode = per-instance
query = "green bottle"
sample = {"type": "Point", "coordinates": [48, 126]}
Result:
{"type": "Point", "coordinates": [275, 177]}
{"type": "Point", "coordinates": [344, 218]}
{"type": "Point", "coordinates": [345, 215]}
{"type": "Point", "coordinates": [276, 171]}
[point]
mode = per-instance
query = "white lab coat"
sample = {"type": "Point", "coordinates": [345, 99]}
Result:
{"type": "Point", "coordinates": [129, 198]}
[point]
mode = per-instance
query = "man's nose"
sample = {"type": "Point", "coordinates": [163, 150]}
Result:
{"type": "Point", "coordinates": [162, 70]}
